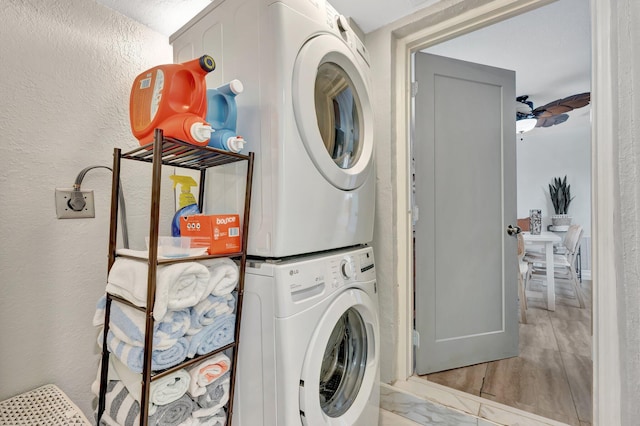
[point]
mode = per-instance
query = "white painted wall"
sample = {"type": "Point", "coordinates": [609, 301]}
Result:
{"type": "Point", "coordinates": [65, 76]}
{"type": "Point", "coordinates": [564, 149]}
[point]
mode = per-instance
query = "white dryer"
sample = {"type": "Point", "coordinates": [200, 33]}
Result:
{"type": "Point", "coordinates": [309, 342]}
{"type": "Point", "coordinates": [305, 112]}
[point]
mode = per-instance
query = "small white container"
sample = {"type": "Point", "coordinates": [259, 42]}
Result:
{"type": "Point", "coordinates": [172, 246]}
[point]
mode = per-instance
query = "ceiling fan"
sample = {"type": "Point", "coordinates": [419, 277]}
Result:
{"type": "Point", "coordinates": [547, 115]}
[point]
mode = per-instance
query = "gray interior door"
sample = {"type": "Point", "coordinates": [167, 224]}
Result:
{"type": "Point", "coordinates": [465, 190]}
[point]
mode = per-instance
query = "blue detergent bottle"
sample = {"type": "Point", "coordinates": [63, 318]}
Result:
{"type": "Point", "coordinates": [222, 113]}
{"type": "Point", "coordinates": [187, 202]}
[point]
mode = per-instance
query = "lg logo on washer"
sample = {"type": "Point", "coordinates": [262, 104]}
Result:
{"type": "Point", "coordinates": [293, 272]}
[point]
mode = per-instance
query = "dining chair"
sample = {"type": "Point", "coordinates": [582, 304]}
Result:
{"type": "Point", "coordinates": [564, 263]}
{"type": "Point", "coordinates": [522, 276]}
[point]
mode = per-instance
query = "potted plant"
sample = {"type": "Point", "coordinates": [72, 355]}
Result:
{"type": "Point", "coordinates": [561, 197]}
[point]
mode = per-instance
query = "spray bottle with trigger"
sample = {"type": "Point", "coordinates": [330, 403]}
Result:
{"type": "Point", "coordinates": [187, 202]}
{"type": "Point", "coordinates": [222, 113]}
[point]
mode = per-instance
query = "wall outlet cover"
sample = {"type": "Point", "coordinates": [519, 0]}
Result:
{"type": "Point", "coordinates": [64, 209]}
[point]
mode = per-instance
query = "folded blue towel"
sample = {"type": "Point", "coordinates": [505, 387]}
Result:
{"type": "Point", "coordinates": [213, 336]}
{"type": "Point", "coordinates": [133, 356]}
{"type": "Point", "coordinates": [207, 310]}
{"type": "Point", "coordinates": [128, 324]}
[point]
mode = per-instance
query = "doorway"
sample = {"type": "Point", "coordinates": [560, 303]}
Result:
{"type": "Point", "coordinates": [555, 345]}
{"type": "Point", "coordinates": [443, 22]}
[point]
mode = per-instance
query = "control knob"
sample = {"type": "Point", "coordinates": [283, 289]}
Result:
{"type": "Point", "coordinates": [346, 267]}
{"type": "Point", "coordinates": [343, 23]}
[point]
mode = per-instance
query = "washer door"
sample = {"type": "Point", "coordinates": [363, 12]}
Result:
{"type": "Point", "coordinates": [333, 111]}
{"type": "Point", "coordinates": [341, 363]}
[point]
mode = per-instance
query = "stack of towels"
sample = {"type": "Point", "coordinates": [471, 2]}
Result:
{"type": "Point", "coordinates": [194, 314]}
{"type": "Point", "coordinates": [194, 311]}
{"type": "Point", "coordinates": [188, 397]}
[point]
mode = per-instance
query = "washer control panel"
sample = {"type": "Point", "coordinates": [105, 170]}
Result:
{"type": "Point", "coordinates": [352, 268]}
{"type": "Point", "coordinates": [303, 281]}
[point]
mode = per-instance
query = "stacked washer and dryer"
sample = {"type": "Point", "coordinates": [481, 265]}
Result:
{"type": "Point", "coordinates": [309, 341]}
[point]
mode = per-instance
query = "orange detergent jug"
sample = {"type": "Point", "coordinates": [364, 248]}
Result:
{"type": "Point", "coordinates": [173, 98]}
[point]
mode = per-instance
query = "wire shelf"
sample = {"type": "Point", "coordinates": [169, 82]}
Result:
{"type": "Point", "coordinates": [178, 153]}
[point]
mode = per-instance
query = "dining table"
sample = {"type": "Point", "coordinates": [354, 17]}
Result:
{"type": "Point", "coordinates": [546, 239]}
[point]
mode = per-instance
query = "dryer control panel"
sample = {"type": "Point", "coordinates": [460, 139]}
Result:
{"type": "Point", "coordinates": [339, 22]}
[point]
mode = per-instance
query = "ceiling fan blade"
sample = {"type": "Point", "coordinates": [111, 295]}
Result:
{"type": "Point", "coordinates": [552, 121]}
{"type": "Point", "coordinates": [561, 106]}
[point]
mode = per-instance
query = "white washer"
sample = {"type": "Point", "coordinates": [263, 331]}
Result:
{"type": "Point", "coordinates": [309, 342]}
{"type": "Point", "coordinates": [305, 112]}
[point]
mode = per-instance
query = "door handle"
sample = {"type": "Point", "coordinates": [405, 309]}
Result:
{"type": "Point", "coordinates": [513, 230]}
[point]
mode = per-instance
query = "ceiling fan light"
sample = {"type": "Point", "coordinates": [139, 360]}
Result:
{"type": "Point", "coordinates": [525, 125]}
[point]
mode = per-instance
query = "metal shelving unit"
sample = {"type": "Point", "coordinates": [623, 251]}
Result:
{"type": "Point", "coordinates": [172, 152]}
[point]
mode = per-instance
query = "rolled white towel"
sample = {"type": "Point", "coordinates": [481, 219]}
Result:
{"type": "Point", "coordinates": [178, 285]}
{"type": "Point", "coordinates": [224, 276]}
{"type": "Point", "coordinates": [163, 391]}
{"type": "Point", "coordinates": [207, 372]}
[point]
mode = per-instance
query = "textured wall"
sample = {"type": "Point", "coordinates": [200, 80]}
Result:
{"type": "Point", "coordinates": [65, 76]}
{"type": "Point", "coordinates": [625, 19]}
{"type": "Point", "coordinates": [384, 227]}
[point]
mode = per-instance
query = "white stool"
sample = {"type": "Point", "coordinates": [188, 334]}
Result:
{"type": "Point", "coordinates": [46, 405]}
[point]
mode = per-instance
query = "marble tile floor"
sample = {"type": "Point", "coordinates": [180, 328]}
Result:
{"type": "Point", "coordinates": [552, 377]}
{"type": "Point", "coordinates": [417, 402]}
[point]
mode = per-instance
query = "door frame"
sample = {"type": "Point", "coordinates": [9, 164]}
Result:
{"type": "Point", "coordinates": [439, 23]}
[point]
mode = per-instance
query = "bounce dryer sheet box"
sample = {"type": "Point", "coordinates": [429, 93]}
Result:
{"type": "Point", "coordinates": [220, 233]}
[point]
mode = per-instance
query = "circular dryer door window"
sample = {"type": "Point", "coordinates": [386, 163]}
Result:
{"type": "Point", "coordinates": [339, 378]}
{"type": "Point", "coordinates": [333, 111]}
{"type": "Point", "coordinates": [337, 112]}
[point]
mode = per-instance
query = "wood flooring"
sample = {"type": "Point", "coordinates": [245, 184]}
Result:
{"type": "Point", "coordinates": [552, 376]}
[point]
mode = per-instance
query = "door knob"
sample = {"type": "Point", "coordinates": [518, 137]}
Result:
{"type": "Point", "coordinates": [513, 230]}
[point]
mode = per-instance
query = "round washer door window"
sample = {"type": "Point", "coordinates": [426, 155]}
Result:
{"type": "Point", "coordinates": [343, 365]}
{"type": "Point", "coordinates": [340, 370]}
{"type": "Point", "coordinates": [333, 112]}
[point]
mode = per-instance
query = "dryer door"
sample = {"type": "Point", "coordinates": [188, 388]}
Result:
{"type": "Point", "coordinates": [340, 375]}
{"type": "Point", "coordinates": [333, 111]}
